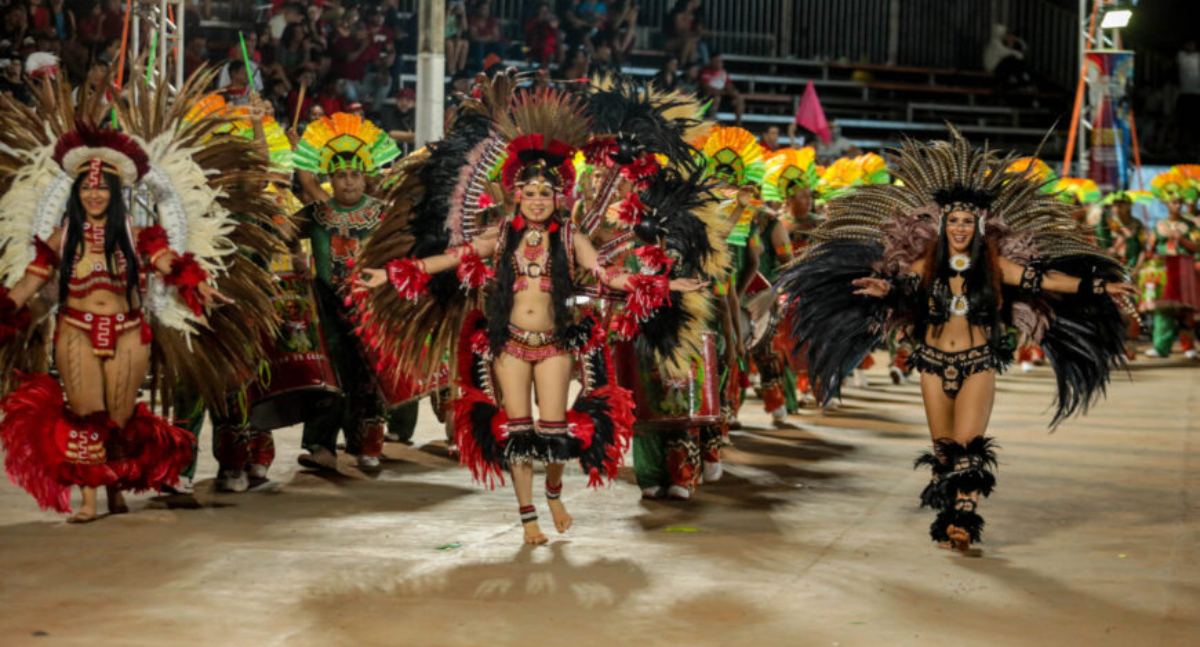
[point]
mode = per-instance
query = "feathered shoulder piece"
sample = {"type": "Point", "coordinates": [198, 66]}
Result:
{"type": "Point", "coordinates": [279, 147]}
{"type": "Point", "coordinates": [734, 156]}
{"type": "Point", "coordinates": [344, 140]}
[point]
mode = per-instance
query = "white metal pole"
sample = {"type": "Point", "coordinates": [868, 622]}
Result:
{"type": "Point", "coordinates": [431, 72]}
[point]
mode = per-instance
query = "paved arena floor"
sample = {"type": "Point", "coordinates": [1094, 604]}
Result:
{"type": "Point", "coordinates": [812, 539]}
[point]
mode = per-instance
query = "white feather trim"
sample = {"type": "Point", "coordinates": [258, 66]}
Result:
{"type": "Point", "coordinates": [80, 155]}
{"type": "Point", "coordinates": [195, 223]}
{"type": "Point", "coordinates": [33, 206]}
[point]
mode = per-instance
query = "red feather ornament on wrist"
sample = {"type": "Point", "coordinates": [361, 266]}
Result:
{"type": "Point", "coordinates": [152, 240]}
{"type": "Point", "coordinates": [646, 294]}
{"type": "Point", "coordinates": [409, 277]}
{"type": "Point", "coordinates": [186, 277]}
{"type": "Point", "coordinates": [12, 319]}
{"type": "Point", "coordinates": [472, 271]}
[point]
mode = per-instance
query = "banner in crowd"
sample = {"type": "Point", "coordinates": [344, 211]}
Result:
{"type": "Point", "coordinates": [1110, 82]}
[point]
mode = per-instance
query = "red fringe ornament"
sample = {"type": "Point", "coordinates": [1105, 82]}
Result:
{"type": "Point", "coordinates": [12, 319]}
{"type": "Point", "coordinates": [472, 271]}
{"type": "Point", "coordinates": [186, 277]}
{"type": "Point", "coordinates": [630, 211]}
{"type": "Point", "coordinates": [152, 240]}
{"type": "Point", "coordinates": [653, 257]}
{"type": "Point", "coordinates": [409, 277]}
{"type": "Point", "coordinates": [646, 294]}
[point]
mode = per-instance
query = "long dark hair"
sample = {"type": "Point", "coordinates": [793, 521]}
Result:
{"type": "Point", "coordinates": [980, 282]}
{"type": "Point", "coordinates": [116, 239]}
{"type": "Point", "coordinates": [500, 301]}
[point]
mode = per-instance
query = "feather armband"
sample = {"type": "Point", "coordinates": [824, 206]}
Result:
{"type": "Point", "coordinates": [186, 276]}
{"type": "Point", "coordinates": [12, 319]}
{"type": "Point", "coordinates": [646, 294]}
{"type": "Point", "coordinates": [44, 260]}
{"type": "Point", "coordinates": [409, 277]}
{"type": "Point", "coordinates": [152, 243]}
{"type": "Point", "coordinates": [1032, 276]}
{"type": "Point", "coordinates": [472, 271]}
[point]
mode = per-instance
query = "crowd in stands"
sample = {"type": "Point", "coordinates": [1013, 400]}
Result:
{"type": "Point", "coordinates": [349, 55]}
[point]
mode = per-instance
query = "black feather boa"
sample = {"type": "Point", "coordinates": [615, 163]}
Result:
{"type": "Point", "coordinates": [1086, 338]}
{"type": "Point", "coordinates": [834, 326]}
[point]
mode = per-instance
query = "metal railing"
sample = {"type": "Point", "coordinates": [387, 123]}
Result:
{"type": "Point", "coordinates": [921, 33]}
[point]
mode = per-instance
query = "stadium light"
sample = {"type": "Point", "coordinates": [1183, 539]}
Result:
{"type": "Point", "coordinates": [1117, 16]}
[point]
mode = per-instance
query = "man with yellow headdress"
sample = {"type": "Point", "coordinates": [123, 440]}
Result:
{"type": "Point", "coordinates": [348, 150]}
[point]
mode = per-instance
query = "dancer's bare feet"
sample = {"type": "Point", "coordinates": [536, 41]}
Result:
{"type": "Point", "coordinates": [533, 534]}
{"type": "Point", "coordinates": [87, 509]}
{"type": "Point", "coordinates": [116, 501]}
{"type": "Point", "coordinates": [562, 518]}
{"type": "Point", "coordinates": [83, 516]}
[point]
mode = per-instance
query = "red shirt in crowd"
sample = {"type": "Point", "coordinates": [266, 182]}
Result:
{"type": "Point", "coordinates": [113, 25]}
{"type": "Point", "coordinates": [352, 69]}
{"type": "Point", "coordinates": [41, 18]}
{"type": "Point", "coordinates": [715, 79]}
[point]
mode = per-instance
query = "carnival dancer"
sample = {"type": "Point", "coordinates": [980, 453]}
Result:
{"type": "Point", "coordinates": [680, 428]}
{"type": "Point", "coordinates": [787, 186]}
{"type": "Point", "coordinates": [956, 254]}
{"type": "Point", "coordinates": [737, 162]}
{"type": "Point", "coordinates": [1174, 296]}
{"type": "Point", "coordinates": [172, 289]}
{"type": "Point", "coordinates": [348, 150]}
{"type": "Point", "coordinates": [1124, 236]}
{"type": "Point", "coordinates": [524, 337]}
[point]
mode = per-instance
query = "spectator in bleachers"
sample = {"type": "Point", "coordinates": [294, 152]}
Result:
{"type": "Point", "coordinates": [689, 80]}
{"type": "Point", "coordinates": [91, 26]}
{"type": "Point", "coordinates": [236, 62]}
{"type": "Point", "coordinates": [1187, 106]}
{"type": "Point", "coordinates": [715, 83]}
{"type": "Point", "coordinates": [112, 23]}
{"type": "Point", "coordinates": [577, 66]}
{"type": "Point", "coordinates": [486, 37]}
{"type": "Point", "coordinates": [62, 20]}
{"type": "Point", "coordinates": [579, 25]}
{"type": "Point", "coordinates": [1004, 58]}
{"type": "Point", "coordinates": [602, 61]}
{"type": "Point", "coordinates": [289, 14]}
{"type": "Point", "coordinates": [12, 82]}
{"type": "Point", "coordinates": [39, 16]}
{"type": "Point", "coordinates": [542, 36]}
{"type": "Point", "coordinates": [667, 78]}
{"type": "Point", "coordinates": [770, 139]}
{"type": "Point", "coordinates": [16, 25]}
{"type": "Point", "coordinates": [195, 53]}
{"type": "Point", "coordinates": [237, 91]}
{"type": "Point", "coordinates": [399, 119]}
{"type": "Point", "coordinates": [685, 32]}
{"type": "Point", "coordinates": [457, 45]}
{"type": "Point", "coordinates": [354, 51]}
{"type": "Point", "coordinates": [620, 30]}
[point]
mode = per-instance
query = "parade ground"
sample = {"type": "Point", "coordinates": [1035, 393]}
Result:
{"type": "Point", "coordinates": [813, 538]}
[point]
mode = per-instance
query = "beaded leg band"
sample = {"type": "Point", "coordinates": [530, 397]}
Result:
{"type": "Point", "coordinates": [554, 491]}
{"type": "Point", "coordinates": [528, 513]}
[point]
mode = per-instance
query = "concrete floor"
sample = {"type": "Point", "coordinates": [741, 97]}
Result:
{"type": "Point", "coordinates": [813, 538]}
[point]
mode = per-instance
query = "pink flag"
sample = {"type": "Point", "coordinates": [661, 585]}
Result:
{"type": "Point", "coordinates": [812, 116]}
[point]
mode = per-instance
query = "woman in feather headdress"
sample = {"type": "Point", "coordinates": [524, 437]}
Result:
{"type": "Point", "coordinates": [126, 294]}
{"type": "Point", "coordinates": [958, 256]}
{"type": "Point", "coordinates": [524, 337]}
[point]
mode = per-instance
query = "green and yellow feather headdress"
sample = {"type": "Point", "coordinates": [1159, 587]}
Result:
{"type": "Point", "coordinates": [344, 141]}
